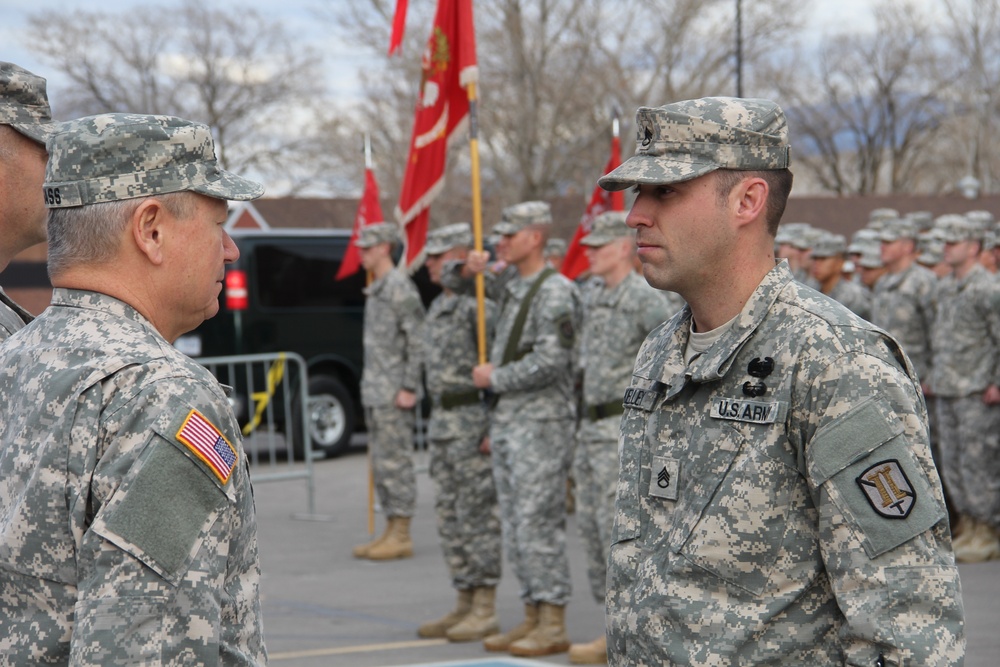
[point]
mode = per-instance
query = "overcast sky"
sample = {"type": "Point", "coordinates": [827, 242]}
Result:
{"type": "Point", "coordinates": [825, 16]}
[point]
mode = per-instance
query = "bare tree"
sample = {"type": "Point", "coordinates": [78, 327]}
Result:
{"type": "Point", "coordinates": [241, 74]}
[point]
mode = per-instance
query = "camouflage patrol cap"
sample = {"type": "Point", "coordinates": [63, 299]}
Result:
{"type": "Point", "coordinates": [379, 232]}
{"type": "Point", "coordinates": [807, 237]}
{"type": "Point", "coordinates": [555, 247]}
{"type": "Point", "coordinates": [923, 220]}
{"type": "Point", "coordinates": [607, 227]}
{"type": "Point", "coordinates": [518, 216]}
{"type": "Point", "coordinates": [981, 217]}
{"type": "Point", "coordinates": [23, 102]}
{"type": "Point", "coordinates": [829, 245]}
{"type": "Point", "coordinates": [864, 240]}
{"type": "Point", "coordinates": [894, 229]}
{"type": "Point", "coordinates": [879, 215]}
{"type": "Point", "coordinates": [930, 247]}
{"type": "Point", "coordinates": [955, 228]}
{"type": "Point", "coordinates": [871, 258]}
{"type": "Point", "coordinates": [685, 140]}
{"type": "Point", "coordinates": [118, 156]}
{"type": "Point", "coordinates": [445, 238]}
{"type": "Point", "coordinates": [788, 232]}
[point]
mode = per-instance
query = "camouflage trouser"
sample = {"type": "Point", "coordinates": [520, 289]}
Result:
{"type": "Point", "coordinates": [468, 518]}
{"type": "Point", "coordinates": [390, 439]}
{"type": "Point", "coordinates": [531, 460]}
{"type": "Point", "coordinates": [595, 468]}
{"type": "Point", "coordinates": [970, 455]}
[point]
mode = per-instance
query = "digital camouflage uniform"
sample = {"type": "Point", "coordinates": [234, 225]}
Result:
{"type": "Point", "coordinates": [24, 106]}
{"type": "Point", "coordinates": [119, 543]}
{"type": "Point", "coordinates": [966, 345]}
{"type": "Point", "coordinates": [393, 313]}
{"type": "Point", "coordinates": [465, 498]}
{"type": "Point", "coordinates": [852, 295]}
{"type": "Point", "coordinates": [777, 501]}
{"type": "Point", "coordinates": [724, 499]}
{"type": "Point", "coordinates": [615, 322]}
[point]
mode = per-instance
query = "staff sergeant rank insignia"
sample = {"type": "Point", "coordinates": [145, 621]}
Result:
{"type": "Point", "coordinates": [888, 490]}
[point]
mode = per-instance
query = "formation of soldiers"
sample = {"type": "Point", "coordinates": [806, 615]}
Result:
{"type": "Point", "coordinates": [932, 283]}
{"type": "Point", "coordinates": [506, 434]}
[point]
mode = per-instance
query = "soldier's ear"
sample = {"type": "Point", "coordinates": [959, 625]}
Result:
{"type": "Point", "coordinates": [147, 226]}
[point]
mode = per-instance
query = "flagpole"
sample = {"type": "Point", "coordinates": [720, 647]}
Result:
{"type": "Point", "coordinates": [477, 220]}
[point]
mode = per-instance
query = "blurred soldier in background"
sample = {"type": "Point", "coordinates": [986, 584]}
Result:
{"type": "Point", "coordinates": [828, 257]}
{"type": "Point", "coordinates": [555, 252]}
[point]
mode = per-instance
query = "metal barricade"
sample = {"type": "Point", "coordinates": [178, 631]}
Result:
{"type": "Point", "coordinates": [270, 398]}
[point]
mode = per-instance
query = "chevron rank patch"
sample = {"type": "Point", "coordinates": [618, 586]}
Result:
{"type": "Point", "coordinates": [207, 443]}
{"type": "Point", "coordinates": [888, 489]}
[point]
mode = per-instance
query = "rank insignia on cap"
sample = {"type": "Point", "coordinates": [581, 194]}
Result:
{"type": "Point", "coordinates": [888, 490]}
{"type": "Point", "coordinates": [208, 444]}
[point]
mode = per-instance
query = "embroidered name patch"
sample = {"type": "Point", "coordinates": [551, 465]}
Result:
{"type": "Point", "coordinates": [641, 399]}
{"type": "Point", "coordinates": [735, 409]}
{"type": "Point", "coordinates": [208, 444]}
{"type": "Point", "coordinates": [665, 478]}
{"type": "Point", "coordinates": [888, 489]}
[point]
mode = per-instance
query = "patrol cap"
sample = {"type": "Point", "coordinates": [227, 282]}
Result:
{"type": "Point", "coordinates": [445, 238]}
{"type": "Point", "coordinates": [684, 140]}
{"type": "Point", "coordinates": [879, 215]}
{"type": "Point", "coordinates": [923, 220]}
{"type": "Point", "coordinates": [379, 232]}
{"type": "Point", "coordinates": [894, 229]}
{"type": "Point", "coordinates": [871, 258]}
{"type": "Point", "coordinates": [807, 238]}
{"type": "Point", "coordinates": [864, 240]}
{"type": "Point", "coordinates": [607, 227]}
{"type": "Point", "coordinates": [516, 217]}
{"type": "Point", "coordinates": [829, 245]}
{"type": "Point", "coordinates": [24, 104]}
{"type": "Point", "coordinates": [930, 247]}
{"type": "Point", "coordinates": [788, 232]}
{"type": "Point", "coordinates": [116, 156]}
{"type": "Point", "coordinates": [981, 217]}
{"type": "Point", "coordinates": [555, 247]}
{"type": "Point", "coordinates": [955, 228]}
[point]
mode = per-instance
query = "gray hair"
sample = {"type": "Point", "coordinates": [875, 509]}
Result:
{"type": "Point", "coordinates": [91, 234]}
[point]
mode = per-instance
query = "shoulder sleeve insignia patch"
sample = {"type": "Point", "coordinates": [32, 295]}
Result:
{"type": "Point", "coordinates": [207, 443]}
{"type": "Point", "coordinates": [888, 489]}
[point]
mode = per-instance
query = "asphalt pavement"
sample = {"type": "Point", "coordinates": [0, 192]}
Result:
{"type": "Point", "coordinates": [322, 607]}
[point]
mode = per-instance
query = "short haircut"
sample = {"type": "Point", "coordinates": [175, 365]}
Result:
{"type": "Point", "coordinates": [84, 235]}
{"type": "Point", "coordinates": [779, 182]}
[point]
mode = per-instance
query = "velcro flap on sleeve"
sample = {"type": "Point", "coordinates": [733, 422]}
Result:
{"type": "Point", "coordinates": [852, 437]}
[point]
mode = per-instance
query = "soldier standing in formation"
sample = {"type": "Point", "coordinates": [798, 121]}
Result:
{"type": "Point", "coordinates": [465, 496]}
{"type": "Point", "coordinates": [827, 269]}
{"type": "Point", "coordinates": [530, 373]}
{"type": "Point", "coordinates": [389, 381]}
{"type": "Point", "coordinates": [777, 500]}
{"type": "Point", "coordinates": [619, 311]}
{"type": "Point", "coordinates": [127, 526]}
{"type": "Point", "coordinates": [25, 124]}
{"type": "Point", "coordinates": [966, 386]}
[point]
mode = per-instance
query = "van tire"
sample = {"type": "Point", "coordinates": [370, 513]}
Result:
{"type": "Point", "coordinates": [330, 415]}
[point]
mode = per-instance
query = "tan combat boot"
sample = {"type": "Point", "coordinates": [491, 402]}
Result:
{"type": "Point", "coordinates": [397, 543]}
{"type": "Point", "coordinates": [361, 550]}
{"type": "Point", "coordinates": [548, 637]}
{"type": "Point", "coordinates": [961, 531]}
{"type": "Point", "coordinates": [481, 621]}
{"type": "Point", "coordinates": [502, 641]}
{"type": "Point", "coordinates": [438, 628]}
{"type": "Point", "coordinates": [591, 653]}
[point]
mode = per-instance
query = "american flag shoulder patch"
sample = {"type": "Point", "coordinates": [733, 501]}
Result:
{"type": "Point", "coordinates": [207, 443]}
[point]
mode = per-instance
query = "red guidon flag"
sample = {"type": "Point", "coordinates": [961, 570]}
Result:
{"type": "Point", "coordinates": [369, 211]}
{"type": "Point", "coordinates": [575, 262]}
{"type": "Point", "coordinates": [398, 26]}
{"type": "Point", "coordinates": [442, 115]}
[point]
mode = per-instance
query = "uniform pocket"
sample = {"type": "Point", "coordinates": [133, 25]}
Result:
{"type": "Point", "coordinates": [121, 631]}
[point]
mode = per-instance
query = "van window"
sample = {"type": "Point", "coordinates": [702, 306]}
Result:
{"type": "Point", "coordinates": [301, 275]}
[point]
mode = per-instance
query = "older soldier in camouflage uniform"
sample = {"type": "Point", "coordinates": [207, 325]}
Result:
{"type": "Point", "coordinates": [619, 311]}
{"type": "Point", "coordinates": [127, 526]}
{"type": "Point", "coordinates": [25, 124]}
{"type": "Point", "coordinates": [966, 383]}
{"type": "Point", "coordinates": [530, 371]}
{"type": "Point", "coordinates": [828, 256]}
{"type": "Point", "coordinates": [389, 381]}
{"type": "Point", "coordinates": [777, 501]}
{"type": "Point", "coordinates": [465, 497]}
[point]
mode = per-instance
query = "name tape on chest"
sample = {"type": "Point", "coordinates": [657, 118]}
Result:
{"type": "Point", "coordinates": [641, 399]}
{"type": "Point", "coordinates": [755, 412]}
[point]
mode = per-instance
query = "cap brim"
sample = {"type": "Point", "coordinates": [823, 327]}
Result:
{"type": "Point", "coordinates": [505, 228]}
{"type": "Point", "coordinates": [653, 170]}
{"type": "Point", "coordinates": [38, 132]}
{"type": "Point", "coordinates": [230, 186]}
